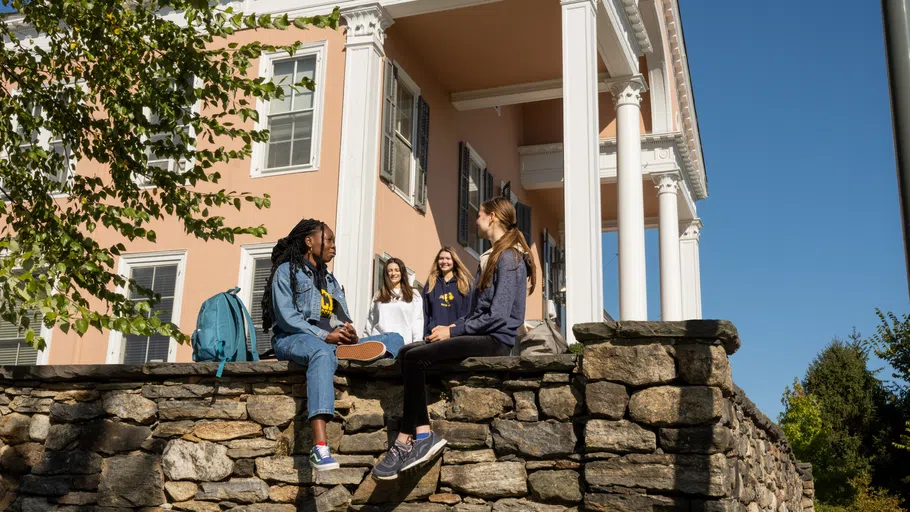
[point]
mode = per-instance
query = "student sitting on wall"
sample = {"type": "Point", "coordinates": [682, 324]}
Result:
{"type": "Point", "coordinates": [396, 308]}
{"type": "Point", "coordinates": [447, 294]}
{"type": "Point", "coordinates": [304, 306]}
{"type": "Point", "coordinates": [497, 310]}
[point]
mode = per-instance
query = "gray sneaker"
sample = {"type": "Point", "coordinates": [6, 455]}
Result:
{"type": "Point", "coordinates": [423, 450]}
{"type": "Point", "coordinates": [390, 465]}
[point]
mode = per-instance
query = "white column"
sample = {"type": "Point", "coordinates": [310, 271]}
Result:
{"type": "Point", "coordinates": [359, 167]}
{"type": "Point", "coordinates": [633, 298]}
{"type": "Point", "coordinates": [670, 280]}
{"type": "Point", "coordinates": [584, 265]}
{"type": "Point", "coordinates": [690, 267]}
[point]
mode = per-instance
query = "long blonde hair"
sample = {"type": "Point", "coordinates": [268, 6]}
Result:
{"type": "Point", "coordinates": [462, 275]}
{"type": "Point", "coordinates": [505, 212]}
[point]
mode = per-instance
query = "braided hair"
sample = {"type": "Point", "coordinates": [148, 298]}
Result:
{"type": "Point", "coordinates": [293, 249]}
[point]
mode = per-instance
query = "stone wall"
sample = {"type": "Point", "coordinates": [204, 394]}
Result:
{"type": "Point", "coordinates": [647, 420]}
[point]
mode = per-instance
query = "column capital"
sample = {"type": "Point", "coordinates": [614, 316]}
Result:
{"type": "Point", "coordinates": [691, 229]}
{"type": "Point", "coordinates": [627, 90]}
{"type": "Point", "coordinates": [367, 23]}
{"type": "Point", "coordinates": [667, 182]}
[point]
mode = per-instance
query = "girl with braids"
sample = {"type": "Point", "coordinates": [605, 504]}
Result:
{"type": "Point", "coordinates": [497, 311]}
{"type": "Point", "coordinates": [304, 307]}
{"type": "Point", "coordinates": [447, 294]}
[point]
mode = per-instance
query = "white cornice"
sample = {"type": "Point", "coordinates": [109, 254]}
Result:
{"type": "Point", "coordinates": [638, 26]}
{"type": "Point", "coordinates": [684, 93]}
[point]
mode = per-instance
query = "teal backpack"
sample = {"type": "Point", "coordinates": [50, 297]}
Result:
{"type": "Point", "coordinates": [221, 331]}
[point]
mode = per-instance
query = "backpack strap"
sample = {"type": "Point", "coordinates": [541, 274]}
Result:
{"type": "Point", "coordinates": [245, 320]}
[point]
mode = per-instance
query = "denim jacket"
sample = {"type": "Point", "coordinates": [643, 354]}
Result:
{"type": "Point", "coordinates": [301, 319]}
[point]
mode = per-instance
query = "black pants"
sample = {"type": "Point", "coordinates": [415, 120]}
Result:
{"type": "Point", "coordinates": [417, 357]}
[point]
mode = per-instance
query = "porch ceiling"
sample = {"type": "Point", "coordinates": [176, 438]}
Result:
{"type": "Point", "coordinates": [490, 45]}
{"type": "Point", "coordinates": [552, 199]}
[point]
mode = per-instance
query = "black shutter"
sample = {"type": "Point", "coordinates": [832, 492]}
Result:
{"type": "Point", "coordinates": [423, 151]}
{"type": "Point", "coordinates": [523, 212]}
{"type": "Point", "coordinates": [464, 173]}
{"type": "Point", "coordinates": [507, 190]}
{"type": "Point", "coordinates": [486, 195]}
{"type": "Point", "coordinates": [388, 121]}
{"type": "Point", "coordinates": [547, 291]}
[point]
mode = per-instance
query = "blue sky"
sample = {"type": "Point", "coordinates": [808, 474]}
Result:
{"type": "Point", "coordinates": [802, 234]}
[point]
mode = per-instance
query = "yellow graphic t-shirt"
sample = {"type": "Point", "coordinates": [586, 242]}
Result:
{"type": "Point", "coordinates": [328, 305]}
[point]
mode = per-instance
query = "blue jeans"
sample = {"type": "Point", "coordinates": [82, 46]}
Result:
{"type": "Point", "coordinates": [319, 358]}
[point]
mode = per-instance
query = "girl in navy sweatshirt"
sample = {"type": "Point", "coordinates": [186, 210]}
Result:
{"type": "Point", "coordinates": [497, 311]}
{"type": "Point", "coordinates": [447, 294]}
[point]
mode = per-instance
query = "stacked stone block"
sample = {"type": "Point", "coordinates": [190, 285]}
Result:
{"type": "Point", "coordinates": [648, 419]}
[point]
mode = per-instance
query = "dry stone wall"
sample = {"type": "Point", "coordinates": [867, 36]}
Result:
{"type": "Point", "coordinates": [648, 419]}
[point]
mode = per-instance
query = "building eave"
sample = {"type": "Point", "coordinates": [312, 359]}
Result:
{"type": "Point", "coordinates": [686, 97]}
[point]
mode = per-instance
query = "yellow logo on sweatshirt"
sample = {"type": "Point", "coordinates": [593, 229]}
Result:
{"type": "Point", "coordinates": [447, 299]}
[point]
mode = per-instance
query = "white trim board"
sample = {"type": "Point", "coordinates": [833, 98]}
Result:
{"type": "Point", "coordinates": [516, 94]}
{"type": "Point", "coordinates": [149, 259]}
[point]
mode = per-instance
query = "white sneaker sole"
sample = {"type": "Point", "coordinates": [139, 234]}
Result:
{"type": "Point", "coordinates": [385, 478]}
{"type": "Point", "coordinates": [324, 467]}
{"type": "Point", "coordinates": [429, 456]}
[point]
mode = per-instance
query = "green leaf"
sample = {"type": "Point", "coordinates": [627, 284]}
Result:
{"type": "Point", "coordinates": [81, 326]}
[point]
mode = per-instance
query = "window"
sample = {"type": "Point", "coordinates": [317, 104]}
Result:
{"type": "Point", "coordinates": [163, 162]}
{"type": "Point", "coordinates": [255, 267]}
{"type": "Point", "coordinates": [406, 136]}
{"type": "Point", "coordinates": [294, 121]}
{"type": "Point", "coordinates": [162, 273]}
{"type": "Point", "coordinates": [52, 143]}
{"type": "Point", "coordinates": [379, 264]}
{"type": "Point", "coordinates": [476, 187]}
{"type": "Point", "coordinates": [13, 348]}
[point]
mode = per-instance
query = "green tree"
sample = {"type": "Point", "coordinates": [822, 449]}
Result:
{"type": "Point", "coordinates": [850, 398]}
{"type": "Point", "coordinates": [802, 422]}
{"type": "Point", "coordinates": [115, 83]}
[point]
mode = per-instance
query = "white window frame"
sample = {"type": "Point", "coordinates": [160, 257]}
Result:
{"type": "Point", "coordinates": [249, 253]}
{"type": "Point", "coordinates": [150, 259]}
{"type": "Point", "coordinates": [266, 61]}
{"type": "Point", "coordinates": [408, 195]}
{"type": "Point", "coordinates": [172, 165]}
{"type": "Point", "coordinates": [477, 159]}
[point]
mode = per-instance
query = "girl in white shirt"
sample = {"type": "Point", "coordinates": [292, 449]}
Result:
{"type": "Point", "coordinates": [397, 307]}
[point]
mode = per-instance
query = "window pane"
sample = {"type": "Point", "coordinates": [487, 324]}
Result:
{"type": "Point", "coordinates": [401, 172]}
{"type": "Point", "coordinates": [306, 68]}
{"type": "Point", "coordinates": [143, 277]}
{"type": "Point", "coordinates": [405, 114]}
{"type": "Point", "coordinates": [303, 139]}
{"type": "Point", "coordinates": [290, 140]}
{"type": "Point", "coordinates": [473, 239]}
{"type": "Point", "coordinates": [474, 187]}
{"type": "Point", "coordinates": [283, 76]}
